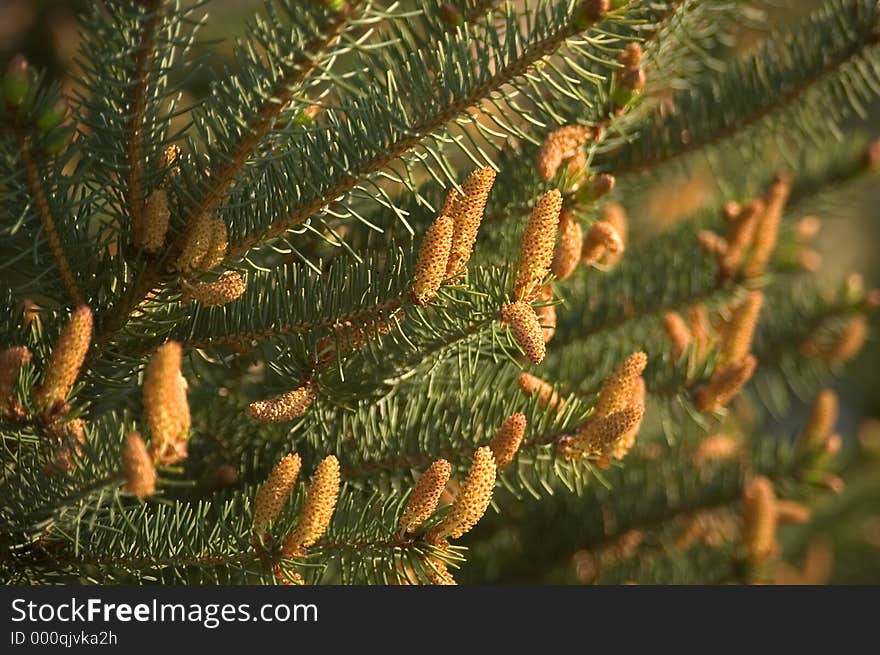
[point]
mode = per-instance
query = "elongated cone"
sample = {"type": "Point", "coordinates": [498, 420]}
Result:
{"type": "Point", "coordinates": [472, 500]}
{"type": "Point", "coordinates": [602, 238]}
{"type": "Point", "coordinates": [678, 332]}
{"type": "Point", "coordinates": [285, 407]}
{"type": "Point", "coordinates": [760, 519]}
{"type": "Point", "coordinates": [597, 436]}
{"type": "Point", "coordinates": [547, 397]}
{"type": "Point", "coordinates": [152, 225]}
{"type": "Point", "coordinates": [568, 249]}
{"type": "Point", "coordinates": [526, 329]}
{"type": "Point", "coordinates": [273, 493]}
{"type": "Point", "coordinates": [624, 443]}
{"type": "Point", "coordinates": [823, 416]}
{"type": "Point", "coordinates": [536, 248]}
{"type": "Point", "coordinates": [67, 358]}
{"type": "Point", "coordinates": [508, 439]}
{"type": "Point", "coordinates": [561, 144]}
{"type": "Point", "coordinates": [318, 509]}
{"type": "Point", "coordinates": [724, 384]}
{"type": "Point", "coordinates": [217, 246]}
{"type": "Point", "coordinates": [229, 287]}
{"type": "Point", "coordinates": [618, 388]}
{"type": "Point", "coordinates": [467, 214]}
{"type": "Point", "coordinates": [432, 261]}
{"type": "Point", "coordinates": [736, 338]}
{"type": "Point", "coordinates": [740, 235]}
{"type": "Point", "coordinates": [137, 467]}
{"type": "Point", "coordinates": [767, 230]}
{"type": "Point", "coordinates": [198, 240]}
{"type": "Point", "coordinates": [425, 496]}
{"type": "Point", "coordinates": [165, 405]}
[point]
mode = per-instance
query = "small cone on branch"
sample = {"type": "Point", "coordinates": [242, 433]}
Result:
{"type": "Point", "coordinates": [724, 384]}
{"type": "Point", "coordinates": [602, 237]}
{"type": "Point", "coordinates": [849, 342]}
{"type": "Point", "coordinates": [597, 436]}
{"type": "Point", "coordinates": [472, 500]}
{"type": "Point", "coordinates": [790, 511]}
{"type": "Point", "coordinates": [767, 230]}
{"type": "Point", "coordinates": [285, 407]}
{"type": "Point", "coordinates": [561, 144]}
{"type": "Point", "coordinates": [318, 508]}
{"type": "Point", "coordinates": [618, 388]}
{"type": "Point", "coordinates": [759, 519]}
{"type": "Point", "coordinates": [273, 494]}
{"type": "Point", "coordinates": [229, 287]}
{"type": "Point", "coordinates": [624, 443]}
{"type": "Point", "coordinates": [600, 184]}
{"type": "Point", "coordinates": [67, 358]}
{"type": "Point", "coordinates": [526, 329]}
{"type": "Point", "coordinates": [740, 234]}
{"type": "Point", "coordinates": [199, 237]}
{"type": "Point", "coordinates": [701, 328]}
{"type": "Point", "coordinates": [217, 246]}
{"type": "Point", "coordinates": [433, 257]}
{"type": "Point", "coordinates": [568, 250]}
{"type": "Point", "coordinates": [137, 467]}
{"type": "Point", "coordinates": [823, 416]}
{"type": "Point", "coordinates": [507, 439]}
{"type": "Point", "coordinates": [716, 447]}
{"type": "Point", "coordinates": [736, 338]}
{"type": "Point", "coordinates": [714, 244]}
{"type": "Point", "coordinates": [165, 405]}
{"type": "Point", "coordinates": [547, 397]}
{"type": "Point", "coordinates": [467, 214]}
{"type": "Point", "coordinates": [425, 496]}
{"type": "Point", "coordinates": [536, 248]}
{"type": "Point", "coordinates": [678, 332]}
{"type": "Point", "coordinates": [11, 362]}
{"type": "Point", "coordinates": [151, 226]}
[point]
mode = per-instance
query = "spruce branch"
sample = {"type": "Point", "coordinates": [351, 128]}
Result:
{"type": "Point", "coordinates": [143, 67]}
{"type": "Point", "coordinates": [38, 194]}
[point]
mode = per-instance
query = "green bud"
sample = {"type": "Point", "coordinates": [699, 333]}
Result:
{"type": "Point", "coordinates": [16, 81]}
{"type": "Point", "coordinates": [53, 116]}
{"type": "Point", "coordinates": [57, 140]}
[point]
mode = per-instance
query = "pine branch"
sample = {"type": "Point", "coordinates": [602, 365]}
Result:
{"type": "Point", "coordinates": [38, 193]}
{"type": "Point", "coordinates": [144, 64]}
{"type": "Point", "coordinates": [851, 28]}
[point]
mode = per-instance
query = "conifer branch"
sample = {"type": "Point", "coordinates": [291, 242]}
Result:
{"type": "Point", "coordinates": [38, 194]}
{"type": "Point", "coordinates": [862, 41]}
{"type": "Point", "coordinates": [144, 63]}
{"type": "Point", "coordinates": [413, 137]}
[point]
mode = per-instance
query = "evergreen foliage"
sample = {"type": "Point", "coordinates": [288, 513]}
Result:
{"type": "Point", "coordinates": [276, 237]}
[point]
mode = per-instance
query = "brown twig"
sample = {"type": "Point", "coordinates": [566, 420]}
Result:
{"type": "Point", "coordinates": [145, 56]}
{"type": "Point", "coordinates": [38, 193]}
